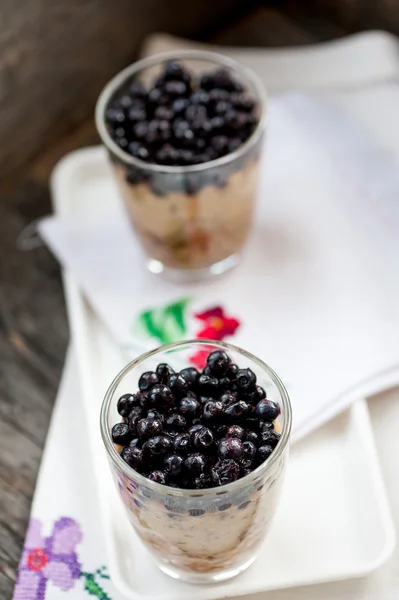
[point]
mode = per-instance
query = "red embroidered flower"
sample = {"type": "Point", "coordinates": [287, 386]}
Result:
{"type": "Point", "coordinates": [37, 559]}
{"type": "Point", "coordinates": [217, 327]}
{"type": "Point", "coordinates": [217, 324]}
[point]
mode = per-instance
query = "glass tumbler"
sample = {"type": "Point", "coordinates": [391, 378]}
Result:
{"type": "Point", "coordinates": [192, 221]}
{"type": "Point", "coordinates": [207, 535]}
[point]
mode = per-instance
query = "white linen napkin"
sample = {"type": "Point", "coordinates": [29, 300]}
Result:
{"type": "Point", "coordinates": [317, 292]}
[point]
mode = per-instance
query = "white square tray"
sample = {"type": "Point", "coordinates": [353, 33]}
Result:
{"type": "Point", "coordinates": [333, 522]}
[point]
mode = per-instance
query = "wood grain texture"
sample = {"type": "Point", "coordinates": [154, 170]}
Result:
{"type": "Point", "coordinates": [56, 56]}
{"type": "Point", "coordinates": [348, 15]}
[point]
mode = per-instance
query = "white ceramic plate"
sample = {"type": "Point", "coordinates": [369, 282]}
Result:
{"type": "Point", "coordinates": [333, 521]}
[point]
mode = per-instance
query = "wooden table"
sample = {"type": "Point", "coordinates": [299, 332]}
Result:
{"type": "Point", "coordinates": [33, 324]}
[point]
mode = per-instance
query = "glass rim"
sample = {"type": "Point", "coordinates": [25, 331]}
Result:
{"type": "Point", "coordinates": [118, 80]}
{"type": "Point", "coordinates": [181, 492]}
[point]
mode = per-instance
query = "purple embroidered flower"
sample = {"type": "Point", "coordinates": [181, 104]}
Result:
{"type": "Point", "coordinates": [48, 559]}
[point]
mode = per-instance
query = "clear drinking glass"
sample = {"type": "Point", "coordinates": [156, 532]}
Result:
{"type": "Point", "coordinates": [209, 535]}
{"type": "Point", "coordinates": [192, 221]}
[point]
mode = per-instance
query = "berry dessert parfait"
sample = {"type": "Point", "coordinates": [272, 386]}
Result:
{"type": "Point", "coordinates": [184, 133]}
{"type": "Point", "coordinates": [198, 456]}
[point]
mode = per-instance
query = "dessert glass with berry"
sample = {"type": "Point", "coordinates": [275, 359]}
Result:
{"type": "Point", "coordinates": [184, 132]}
{"type": "Point", "coordinates": [198, 457]}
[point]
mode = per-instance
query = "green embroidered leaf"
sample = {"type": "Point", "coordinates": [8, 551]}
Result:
{"type": "Point", "coordinates": [93, 587]}
{"type": "Point", "coordinates": [166, 324]}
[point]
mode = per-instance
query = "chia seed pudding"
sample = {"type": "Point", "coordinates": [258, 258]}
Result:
{"type": "Point", "coordinates": [203, 455]}
{"type": "Point", "coordinates": [185, 138]}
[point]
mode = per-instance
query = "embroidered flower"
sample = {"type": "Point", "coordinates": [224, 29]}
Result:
{"type": "Point", "coordinates": [48, 559]}
{"type": "Point", "coordinates": [217, 324]}
{"type": "Point", "coordinates": [217, 327]}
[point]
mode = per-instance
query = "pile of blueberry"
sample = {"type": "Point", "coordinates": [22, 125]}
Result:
{"type": "Point", "coordinates": [182, 119]}
{"type": "Point", "coordinates": [197, 430]}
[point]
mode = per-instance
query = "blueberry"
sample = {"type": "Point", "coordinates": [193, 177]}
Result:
{"type": "Point", "coordinates": [175, 87]}
{"type": "Point", "coordinates": [220, 143]}
{"type": "Point", "coordinates": [181, 443]}
{"type": "Point", "coordinates": [195, 464]}
{"type": "Point", "coordinates": [178, 384]}
{"type": "Point", "coordinates": [207, 385]}
{"type": "Point", "coordinates": [249, 454]}
{"type": "Point", "coordinates": [218, 362]}
{"type": "Point", "coordinates": [191, 375]}
{"type": "Point", "coordinates": [182, 131]}
{"type": "Point", "coordinates": [167, 155]}
{"type": "Point", "coordinates": [173, 464]}
{"type": "Point", "coordinates": [224, 472]}
{"type": "Point", "coordinates": [221, 431]}
{"type": "Point", "coordinates": [163, 113]}
{"type": "Point", "coordinates": [163, 371]}
{"type": "Point", "coordinates": [223, 109]}
{"type": "Point", "coordinates": [230, 448]}
{"type": "Point", "coordinates": [153, 413]}
{"type": "Point", "coordinates": [203, 439]}
{"type": "Point", "coordinates": [174, 70]}
{"type": "Point", "coordinates": [157, 132]}
{"type": "Point", "coordinates": [212, 411]}
{"type": "Point", "coordinates": [236, 411]}
{"type": "Point", "coordinates": [133, 456]}
{"type": "Point", "coordinates": [232, 372]}
{"type": "Point", "coordinates": [266, 425]}
{"type": "Point", "coordinates": [203, 481]}
{"type": "Point", "coordinates": [195, 112]}
{"type": "Point", "coordinates": [141, 152]}
{"type": "Point", "coordinates": [143, 399]}
{"type": "Point", "coordinates": [185, 157]}
{"type": "Point", "coordinates": [155, 97]}
{"type": "Point", "coordinates": [219, 95]}
{"type": "Point", "coordinates": [126, 403]}
{"type": "Point", "coordinates": [137, 90]}
{"type": "Point", "coordinates": [223, 79]}
{"type": "Point", "coordinates": [157, 445]}
{"type": "Point", "coordinates": [269, 437]}
{"type": "Point", "coordinates": [147, 381]}
{"type": "Point", "coordinates": [258, 394]}
{"type": "Point", "coordinates": [137, 114]}
{"type": "Point", "coordinates": [252, 436]}
{"type": "Point", "coordinates": [161, 396]}
{"type": "Point", "coordinates": [225, 384]}
{"type": "Point", "coordinates": [199, 97]}
{"type": "Point", "coordinates": [122, 434]}
{"type": "Point", "coordinates": [207, 81]}
{"type": "Point", "coordinates": [115, 116]}
{"type": "Point", "coordinates": [140, 130]}
{"type": "Point", "coordinates": [218, 123]}
{"type": "Point", "coordinates": [228, 398]}
{"type": "Point", "coordinates": [189, 407]}
{"type": "Point", "coordinates": [263, 453]}
{"type": "Point", "coordinates": [180, 106]}
{"type": "Point", "coordinates": [267, 410]}
{"type": "Point", "coordinates": [149, 427]}
{"type": "Point", "coordinates": [119, 132]}
{"type": "Point", "coordinates": [202, 127]}
{"type": "Point", "coordinates": [122, 143]}
{"type": "Point", "coordinates": [236, 120]}
{"type": "Point", "coordinates": [244, 103]}
{"type": "Point", "coordinates": [235, 431]}
{"type": "Point", "coordinates": [176, 422]}
{"type": "Point", "coordinates": [135, 414]}
{"type": "Point", "coordinates": [158, 477]}
{"type": "Point", "coordinates": [246, 380]}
